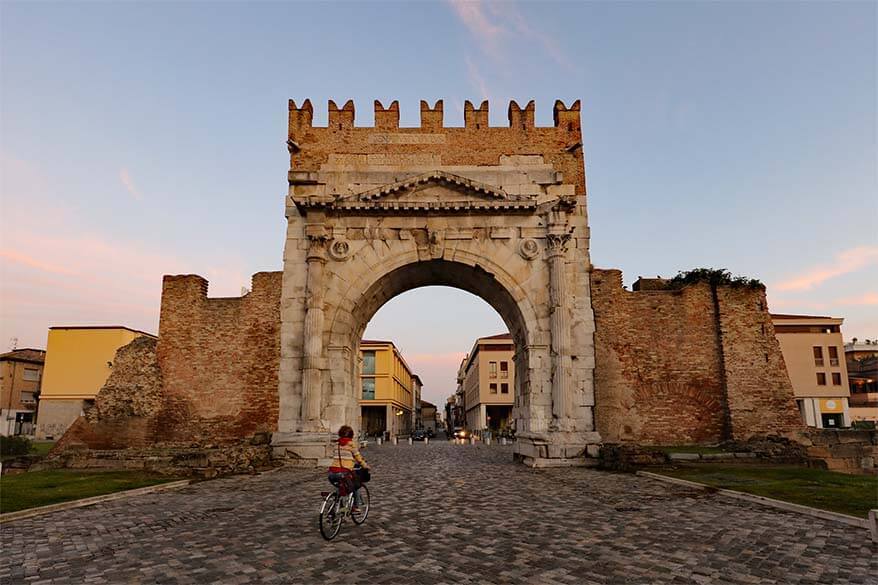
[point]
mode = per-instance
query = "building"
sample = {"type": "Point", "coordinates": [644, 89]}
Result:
{"type": "Point", "coordinates": [812, 349]}
{"type": "Point", "coordinates": [428, 416]}
{"type": "Point", "coordinates": [387, 390]}
{"type": "Point", "coordinates": [489, 383]}
{"type": "Point", "coordinates": [417, 385]}
{"type": "Point", "coordinates": [861, 358]}
{"type": "Point", "coordinates": [78, 362]}
{"type": "Point", "coordinates": [21, 372]}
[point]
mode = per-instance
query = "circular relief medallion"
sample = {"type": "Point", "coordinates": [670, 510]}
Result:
{"type": "Point", "coordinates": [528, 248]}
{"type": "Point", "coordinates": [830, 404]}
{"type": "Point", "coordinates": [339, 250]}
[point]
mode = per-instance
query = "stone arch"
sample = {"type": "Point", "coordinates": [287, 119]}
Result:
{"type": "Point", "coordinates": [355, 308]}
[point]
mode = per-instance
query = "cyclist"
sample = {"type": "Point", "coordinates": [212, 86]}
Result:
{"type": "Point", "coordinates": [342, 468]}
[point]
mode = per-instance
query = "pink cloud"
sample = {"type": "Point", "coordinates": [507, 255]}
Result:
{"type": "Point", "coordinates": [846, 262]}
{"type": "Point", "coordinates": [495, 24]}
{"type": "Point", "coordinates": [476, 78]}
{"type": "Point", "coordinates": [869, 298]}
{"type": "Point", "coordinates": [125, 177]}
{"type": "Point", "coordinates": [30, 262]}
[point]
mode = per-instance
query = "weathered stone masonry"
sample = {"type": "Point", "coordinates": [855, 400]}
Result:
{"type": "Point", "coordinates": [672, 371]}
{"type": "Point", "coordinates": [499, 212]}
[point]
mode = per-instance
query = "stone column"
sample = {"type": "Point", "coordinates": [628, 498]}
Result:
{"type": "Point", "coordinates": [312, 383]}
{"type": "Point", "coordinates": [562, 387]}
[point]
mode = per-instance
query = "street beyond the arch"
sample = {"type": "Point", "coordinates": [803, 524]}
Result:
{"type": "Point", "coordinates": [442, 513]}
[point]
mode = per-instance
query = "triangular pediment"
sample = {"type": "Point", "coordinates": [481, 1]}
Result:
{"type": "Point", "coordinates": [435, 187]}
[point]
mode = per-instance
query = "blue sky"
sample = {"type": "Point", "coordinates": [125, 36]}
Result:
{"type": "Point", "coordinates": [138, 139]}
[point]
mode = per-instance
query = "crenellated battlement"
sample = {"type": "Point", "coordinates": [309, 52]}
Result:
{"type": "Point", "coordinates": [432, 118]}
{"type": "Point", "coordinates": [342, 144]}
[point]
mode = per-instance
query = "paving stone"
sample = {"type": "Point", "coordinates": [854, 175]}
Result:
{"type": "Point", "coordinates": [441, 513]}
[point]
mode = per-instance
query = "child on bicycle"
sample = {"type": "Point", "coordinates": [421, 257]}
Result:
{"type": "Point", "coordinates": [346, 456]}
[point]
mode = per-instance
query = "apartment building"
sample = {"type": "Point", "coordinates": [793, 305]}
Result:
{"type": "Point", "coordinates": [861, 358]}
{"type": "Point", "coordinates": [21, 373]}
{"type": "Point", "coordinates": [488, 383]}
{"type": "Point", "coordinates": [78, 363]}
{"type": "Point", "coordinates": [813, 350]}
{"type": "Point", "coordinates": [388, 390]}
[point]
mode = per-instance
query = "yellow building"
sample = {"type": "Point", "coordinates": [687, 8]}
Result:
{"type": "Point", "coordinates": [813, 350]}
{"type": "Point", "coordinates": [488, 383]}
{"type": "Point", "coordinates": [78, 362]}
{"type": "Point", "coordinates": [20, 373]}
{"type": "Point", "coordinates": [387, 386]}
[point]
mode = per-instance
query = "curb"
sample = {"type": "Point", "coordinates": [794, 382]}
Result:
{"type": "Point", "coordinates": [42, 510]}
{"type": "Point", "coordinates": [771, 502]}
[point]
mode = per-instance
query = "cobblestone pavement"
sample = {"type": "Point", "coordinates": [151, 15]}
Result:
{"type": "Point", "coordinates": [441, 513]}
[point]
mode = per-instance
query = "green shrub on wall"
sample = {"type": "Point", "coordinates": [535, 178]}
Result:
{"type": "Point", "coordinates": [714, 277]}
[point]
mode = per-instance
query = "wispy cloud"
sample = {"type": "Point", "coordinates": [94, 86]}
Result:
{"type": "Point", "coordinates": [125, 177]}
{"type": "Point", "coordinates": [476, 79]}
{"type": "Point", "coordinates": [869, 298]}
{"type": "Point", "coordinates": [495, 25]}
{"type": "Point", "coordinates": [846, 262]}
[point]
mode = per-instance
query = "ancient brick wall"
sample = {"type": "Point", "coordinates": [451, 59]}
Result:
{"type": "Point", "coordinates": [760, 394]}
{"type": "Point", "coordinates": [657, 364]}
{"type": "Point", "coordinates": [670, 370]}
{"type": "Point", "coordinates": [219, 360]}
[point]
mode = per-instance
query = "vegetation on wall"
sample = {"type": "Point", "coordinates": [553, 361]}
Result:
{"type": "Point", "coordinates": [714, 277]}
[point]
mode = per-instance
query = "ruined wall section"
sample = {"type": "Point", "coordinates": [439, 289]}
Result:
{"type": "Point", "coordinates": [658, 368]}
{"type": "Point", "coordinates": [760, 394]}
{"type": "Point", "coordinates": [219, 360]}
{"type": "Point", "coordinates": [671, 370]}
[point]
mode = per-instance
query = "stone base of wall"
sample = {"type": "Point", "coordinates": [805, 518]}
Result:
{"type": "Point", "coordinates": [847, 451]}
{"type": "Point", "coordinates": [56, 416]}
{"type": "Point", "coordinates": [199, 461]}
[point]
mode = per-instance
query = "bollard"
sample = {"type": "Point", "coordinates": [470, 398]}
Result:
{"type": "Point", "coordinates": [426, 440]}
{"type": "Point", "coordinates": [410, 440]}
{"type": "Point", "coordinates": [378, 441]}
{"type": "Point", "coordinates": [487, 440]}
{"type": "Point", "coordinates": [503, 441]}
{"type": "Point", "coordinates": [472, 440]}
{"type": "Point", "coordinates": [395, 440]}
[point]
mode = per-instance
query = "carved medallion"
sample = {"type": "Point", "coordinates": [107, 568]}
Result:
{"type": "Point", "coordinates": [339, 250]}
{"type": "Point", "coordinates": [529, 248]}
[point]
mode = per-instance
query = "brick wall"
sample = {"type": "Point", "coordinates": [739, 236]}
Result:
{"type": "Point", "coordinates": [219, 359]}
{"type": "Point", "coordinates": [665, 375]}
{"type": "Point", "coordinates": [432, 144]}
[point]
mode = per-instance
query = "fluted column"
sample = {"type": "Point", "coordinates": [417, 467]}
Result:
{"type": "Point", "coordinates": [312, 386]}
{"type": "Point", "coordinates": [560, 330]}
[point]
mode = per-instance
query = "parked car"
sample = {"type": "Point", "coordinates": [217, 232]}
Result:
{"type": "Point", "coordinates": [460, 433]}
{"type": "Point", "coordinates": [419, 435]}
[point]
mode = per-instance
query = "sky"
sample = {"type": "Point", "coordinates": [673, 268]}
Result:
{"type": "Point", "coordinates": [146, 138]}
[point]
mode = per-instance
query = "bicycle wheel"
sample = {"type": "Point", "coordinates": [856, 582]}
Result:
{"type": "Point", "coordinates": [330, 517]}
{"type": "Point", "coordinates": [363, 510]}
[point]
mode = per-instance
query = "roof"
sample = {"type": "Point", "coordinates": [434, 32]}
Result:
{"type": "Point", "coordinates": [475, 350]}
{"type": "Point", "coordinates": [427, 404]}
{"type": "Point", "coordinates": [25, 354]}
{"type": "Point", "coordinates": [103, 327]}
{"type": "Point", "coordinates": [785, 316]}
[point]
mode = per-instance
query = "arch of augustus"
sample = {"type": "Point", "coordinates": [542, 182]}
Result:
{"type": "Point", "coordinates": [500, 212]}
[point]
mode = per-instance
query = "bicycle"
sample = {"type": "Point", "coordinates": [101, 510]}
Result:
{"type": "Point", "coordinates": [338, 505]}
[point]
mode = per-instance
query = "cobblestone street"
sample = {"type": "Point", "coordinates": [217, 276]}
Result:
{"type": "Point", "coordinates": [441, 513]}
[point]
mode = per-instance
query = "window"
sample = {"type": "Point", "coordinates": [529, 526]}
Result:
{"type": "Point", "coordinates": [504, 369]}
{"type": "Point", "coordinates": [492, 369]}
{"type": "Point", "coordinates": [836, 379]}
{"type": "Point", "coordinates": [818, 356]}
{"type": "Point", "coordinates": [504, 388]}
{"type": "Point", "coordinates": [31, 374]}
{"type": "Point", "coordinates": [821, 379]}
{"type": "Point", "coordinates": [492, 388]}
{"type": "Point", "coordinates": [833, 356]}
{"type": "Point", "coordinates": [369, 363]}
{"type": "Point", "coordinates": [368, 388]}
{"type": "Point", "coordinates": [27, 397]}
